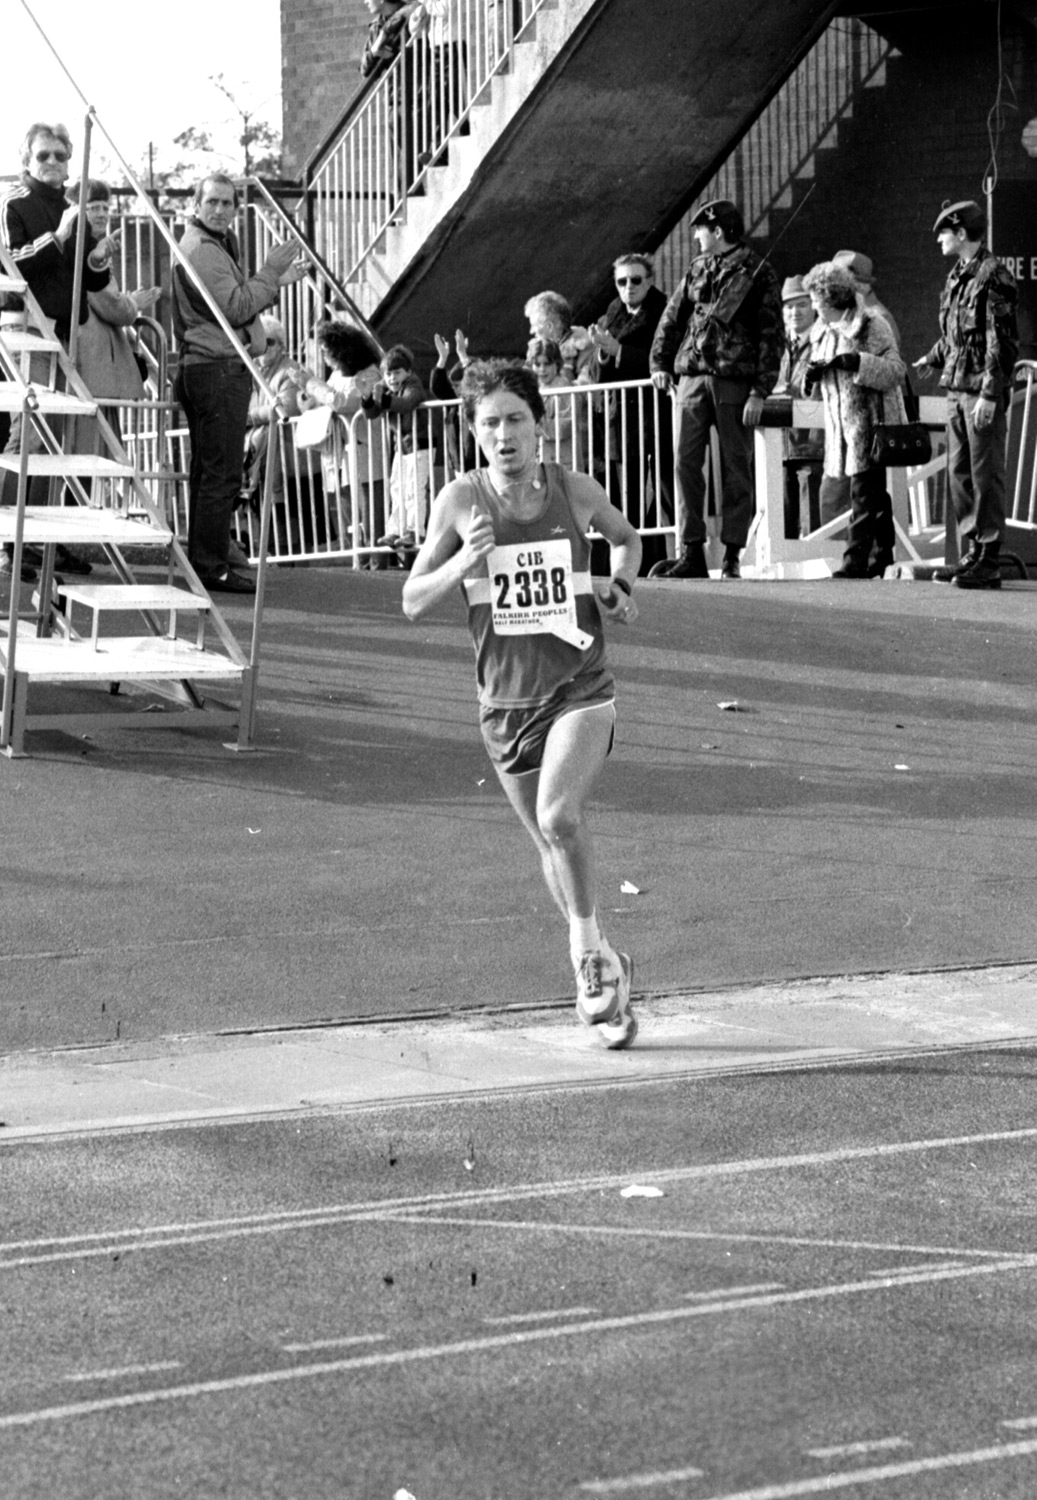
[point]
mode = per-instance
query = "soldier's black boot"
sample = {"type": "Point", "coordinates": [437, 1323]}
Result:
{"type": "Point", "coordinates": [985, 572]}
{"type": "Point", "coordinates": [731, 568]}
{"type": "Point", "coordinates": [689, 564]}
{"type": "Point", "coordinates": [969, 561]}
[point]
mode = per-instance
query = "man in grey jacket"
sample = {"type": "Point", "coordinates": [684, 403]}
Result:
{"type": "Point", "coordinates": [213, 384]}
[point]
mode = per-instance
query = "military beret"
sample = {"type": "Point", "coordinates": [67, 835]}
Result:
{"type": "Point", "coordinates": [966, 215]}
{"type": "Point", "coordinates": [722, 214]}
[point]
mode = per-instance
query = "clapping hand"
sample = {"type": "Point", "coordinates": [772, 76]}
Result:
{"type": "Point", "coordinates": [68, 223]}
{"type": "Point", "coordinates": [104, 251]}
{"type": "Point", "coordinates": [607, 346]}
{"type": "Point", "coordinates": [144, 298]}
{"type": "Point", "coordinates": [442, 349]}
{"type": "Point", "coordinates": [287, 261]}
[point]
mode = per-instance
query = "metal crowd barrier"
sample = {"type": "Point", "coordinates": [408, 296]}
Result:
{"type": "Point", "coordinates": [376, 478]}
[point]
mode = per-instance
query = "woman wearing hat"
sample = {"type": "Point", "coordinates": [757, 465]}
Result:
{"type": "Point", "coordinates": [856, 364]}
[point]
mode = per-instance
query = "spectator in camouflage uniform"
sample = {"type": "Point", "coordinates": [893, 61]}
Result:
{"type": "Point", "coordinates": [976, 354]}
{"type": "Point", "coordinates": [720, 340]}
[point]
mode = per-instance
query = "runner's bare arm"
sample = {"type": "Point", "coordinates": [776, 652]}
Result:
{"type": "Point", "coordinates": [593, 509]}
{"type": "Point", "coordinates": [458, 540]}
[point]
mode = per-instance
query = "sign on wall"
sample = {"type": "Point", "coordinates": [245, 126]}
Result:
{"type": "Point", "coordinates": [1014, 240]}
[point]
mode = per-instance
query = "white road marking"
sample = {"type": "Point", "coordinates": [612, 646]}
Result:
{"type": "Point", "coordinates": [344, 1342]}
{"type": "Point", "coordinates": [116, 1374]}
{"type": "Point", "coordinates": [107, 1242]}
{"type": "Point", "coordinates": [854, 1450]}
{"type": "Point", "coordinates": [543, 1317]}
{"type": "Point", "coordinates": [390, 1359]}
{"type": "Point", "coordinates": [894, 1271]}
{"type": "Point", "coordinates": [638, 1481]}
{"type": "Point", "coordinates": [1020, 1424]}
{"type": "Point", "coordinates": [953, 1253]}
{"type": "Point", "coordinates": [824, 1484]}
{"type": "Point", "coordinates": [737, 1291]}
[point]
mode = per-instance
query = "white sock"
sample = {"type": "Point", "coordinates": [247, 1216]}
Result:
{"type": "Point", "coordinates": [584, 936]}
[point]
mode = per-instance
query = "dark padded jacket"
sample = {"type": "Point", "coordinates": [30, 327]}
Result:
{"type": "Point", "coordinates": [724, 319]}
{"type": "Point", "coordinates": [979, 341]}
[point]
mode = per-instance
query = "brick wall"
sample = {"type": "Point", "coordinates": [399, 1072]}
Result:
{"type": "Point", "coordinates": [321, 43]}
{"type": "Point", "coordinates": [920, 139]}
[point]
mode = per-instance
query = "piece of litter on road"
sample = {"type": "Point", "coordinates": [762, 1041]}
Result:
{"type": "Point", "coordinates": [641, 1190]}
{"type": "Point", "coordinates": [629, 889]}
{"type": "Point", "coordinates": [482, 782]}
{"type": "Point", "coordinates": [901, 768]}
{"type": "Point", "coordinates": [403, 1495]}
{"type": "Point", "coordinates": [255, 830]}
{"type": "Point", "coordinates": [707, 747]}
{"type": "Point", "coordinates": [732, 706]}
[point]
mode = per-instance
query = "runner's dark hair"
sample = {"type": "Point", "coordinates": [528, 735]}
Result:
{"type": "Point", "coordinates": [483, 377]}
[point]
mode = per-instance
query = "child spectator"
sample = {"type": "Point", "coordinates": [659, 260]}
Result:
{"type": "Point", "coordinates": [401, 392]}
{"type": "Point", "coordinates": [544, 358]}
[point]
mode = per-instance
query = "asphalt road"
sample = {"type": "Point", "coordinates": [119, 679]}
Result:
{"type": "Point", "coordinates": [828, 1287]}
{"type": "Point", "coordinates": [866, 806]}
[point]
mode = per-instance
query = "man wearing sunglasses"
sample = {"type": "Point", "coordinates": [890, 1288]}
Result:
{"type": "Point", "coordinates": [36, 230]}
{"type": "Point", "coordinates": [642, 431]}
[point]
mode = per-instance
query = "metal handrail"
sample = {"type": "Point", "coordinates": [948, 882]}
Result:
{"type": "Point", "coordinates": [286, 223]}
{"type": "Point", "coordinates": [358, 182]}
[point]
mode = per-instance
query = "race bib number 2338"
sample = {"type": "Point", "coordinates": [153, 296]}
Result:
{"type": "Point", "coordinates": [532, 593]}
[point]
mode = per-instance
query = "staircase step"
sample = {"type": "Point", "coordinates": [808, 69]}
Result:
{"type": "Point", "coordinates": [49, 403]}
{"type": "Point", "coordinates": [19, 340]}
{"type": "Point", "coordinates": [78, 525]}
{"type": "Point", "coordinates": [162, 597]}
{"type": "Point", "coordinates": [121, 596]}
{"type": "Point", "coordinates": [119, 658]}
{"type": "Point", "coordinates": [65, 465]}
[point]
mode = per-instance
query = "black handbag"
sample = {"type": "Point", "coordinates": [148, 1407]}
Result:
{"type": "Point", "coordinates": [897, 445]}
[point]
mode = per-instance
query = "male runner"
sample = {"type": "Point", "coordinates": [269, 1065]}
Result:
{"type": "Point", "coordinates": [513, 535]}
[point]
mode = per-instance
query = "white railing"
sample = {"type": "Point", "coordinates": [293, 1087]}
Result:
{"type": "Point", "coordinates": [403, 123]}
{"type": "Point", "coordinates": [378, 477]}
{"type": "Point", "coordinates": [1022, 446]}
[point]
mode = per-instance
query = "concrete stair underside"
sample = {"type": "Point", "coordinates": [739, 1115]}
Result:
{"type": "Point", "coordinates": [594, 141]}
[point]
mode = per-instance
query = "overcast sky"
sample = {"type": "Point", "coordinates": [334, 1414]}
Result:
{"type": "Point", "coordinates": [145, 68]}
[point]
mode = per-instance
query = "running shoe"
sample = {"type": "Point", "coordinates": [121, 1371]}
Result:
{"type": "Point", "coordinates": [597, 993]}
{"type": "Point", "coordinates": [619, 1030]}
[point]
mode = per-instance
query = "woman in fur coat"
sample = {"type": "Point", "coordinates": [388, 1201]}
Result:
{"type": "Point", "coordinates": [855, 362]}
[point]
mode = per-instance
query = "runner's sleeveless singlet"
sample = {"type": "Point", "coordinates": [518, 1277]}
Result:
{"type": "Point", "coordinates": [528, 587]}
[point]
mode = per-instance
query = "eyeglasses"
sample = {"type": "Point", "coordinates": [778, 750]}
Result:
{"type": "Point", "coordinates": [629, 280]}
{"type": "Point", "coordinates": [61, 156]}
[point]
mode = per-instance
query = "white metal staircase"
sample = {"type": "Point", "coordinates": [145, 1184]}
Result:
{"type": "Point", "coordinates": [68, 637]}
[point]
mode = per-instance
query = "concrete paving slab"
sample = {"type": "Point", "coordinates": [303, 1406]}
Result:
{"type": "Point", "coordinates": [193, 1079]}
